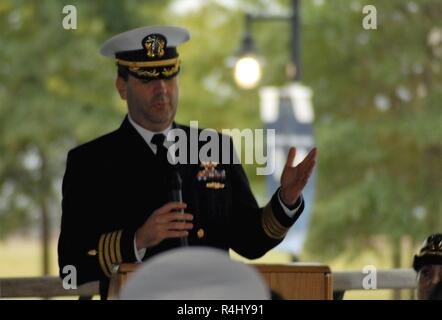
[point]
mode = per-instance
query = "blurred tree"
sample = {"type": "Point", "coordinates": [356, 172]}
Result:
{"type": "Point", "coordinates": [56, 92]}
{"type": "Point", "coordinates": [379, 125]}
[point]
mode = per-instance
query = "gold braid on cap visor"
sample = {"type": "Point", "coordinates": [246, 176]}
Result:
{"type": "Point", "coordinates": [432, 246]}
{"type": "Point", "coordinates": [159, 67]}
{"type": "Point", "coordinates": [432, 253]}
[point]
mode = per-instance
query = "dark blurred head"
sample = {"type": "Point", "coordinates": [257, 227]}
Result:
{"type": "Point", "coordinates": [428, 265]}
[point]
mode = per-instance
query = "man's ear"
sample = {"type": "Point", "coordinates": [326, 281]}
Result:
{"type": "Point", "coordinates": [121, 87]}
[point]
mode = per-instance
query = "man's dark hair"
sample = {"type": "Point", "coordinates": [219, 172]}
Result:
{"type": "Point", "coordinates": [123, 72]}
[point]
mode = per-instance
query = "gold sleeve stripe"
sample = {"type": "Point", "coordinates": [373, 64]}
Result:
{"type": "Point", "coordinates": [274, 224]}
{"type": "Point", "coordinates": [106, 252]}
{"type": "Point", "coordinates": [118, 247]}
{"type": "Point", "coordinates": [100, 256]}
{"type": "Point", "coordinates": [271, 225]}
{"type": "Point", "coordinates": [113, 258]}
{"type": "Point", "coordinates": [147, 64]}
{"type": "Point", "coordinates": [276, 228]}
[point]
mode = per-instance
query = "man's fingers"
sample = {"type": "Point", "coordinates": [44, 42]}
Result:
{"type": "Point", "coordinates": [292, 154]}
{"type": "Point", "coordinates": [310, 165]}
{"type": "Point", "coordinates": [179, 226]}
{"type": "Point", "coordinates": [291, 157]}
{"type": "Point", "coordinates": [171, 206]}
{"type": "Point", "coordinates": [312, 153]}
{"type": "Point", "coordinates": [311, 156]}
{"type": "Point", "coordinates": [303, 173]}
{"type": "Point", "coordinates": [176, 234]}
{"type": "Point", "coordinates": [309, 172]}
{"type": "Point", "coordinates": [306, 170]}
{"type": "Point", "coordinates": [173, 216]}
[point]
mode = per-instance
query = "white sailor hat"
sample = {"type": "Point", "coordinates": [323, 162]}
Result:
{"type": "Point", "coordinates": [148, 52]}
{"type": "Point", "coordinates": [195, 273]}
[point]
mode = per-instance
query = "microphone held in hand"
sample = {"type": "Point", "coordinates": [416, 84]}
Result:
{"type": "Point", "coordinates": [177, 196]}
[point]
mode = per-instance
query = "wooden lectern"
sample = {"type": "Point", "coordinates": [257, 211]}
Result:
{"type": "Point", "coordinates": [291, 281]}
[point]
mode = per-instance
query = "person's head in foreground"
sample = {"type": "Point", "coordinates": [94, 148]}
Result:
{"type": "Point", "coordinates": [428, 265]}
{"type": "Point", "coordinates": [195, 273]}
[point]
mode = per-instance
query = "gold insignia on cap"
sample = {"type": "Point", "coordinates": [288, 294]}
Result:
{"type": "Point", "coordinates": [200, 233]}
{"type": "Point", "coordinates": [154, 45]}
{"type": "Point", "coordinates": [92, 253]}
{"type": "Point", "coordinates": [167, 72]}
{"type": "Point", "coordinates": [145, 73]}
{"type": "Point", "coordinates": [432, 246]}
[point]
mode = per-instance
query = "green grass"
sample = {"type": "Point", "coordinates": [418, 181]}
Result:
{"type": "Point", "coordinates": [22, 258]}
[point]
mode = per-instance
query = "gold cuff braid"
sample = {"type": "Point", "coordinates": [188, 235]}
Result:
{"type": "Point", "coordinates": [109, 251]}
{"type": "Point", "coordinates": [271, 225]}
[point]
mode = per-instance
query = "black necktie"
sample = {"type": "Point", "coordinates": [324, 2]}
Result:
{"type": "Point", "coordinates": [161, 155]}
{"type": "Point", "coordinates": [164, 167]}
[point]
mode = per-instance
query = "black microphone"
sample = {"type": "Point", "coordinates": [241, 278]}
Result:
{"type": "Point", "coordinates": [176, 195]}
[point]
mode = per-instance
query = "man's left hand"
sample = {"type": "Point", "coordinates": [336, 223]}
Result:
{"type": "Point", "coordinates": [294, 179]}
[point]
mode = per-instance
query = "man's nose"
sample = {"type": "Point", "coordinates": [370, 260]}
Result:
{"type": "Point", "coordinates": [160, 85]}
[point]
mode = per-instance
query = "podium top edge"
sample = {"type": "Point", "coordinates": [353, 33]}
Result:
{"type": "Point", "coordinates": [292, 267]}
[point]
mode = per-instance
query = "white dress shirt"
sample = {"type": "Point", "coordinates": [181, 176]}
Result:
{"type": "Point", "coordinates": [147, 136]}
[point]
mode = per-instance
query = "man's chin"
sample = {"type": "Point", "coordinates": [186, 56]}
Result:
{"type": "Point", "coordinates": [159, 116]}
{"type": "Point", "coordinates": [160, 120]}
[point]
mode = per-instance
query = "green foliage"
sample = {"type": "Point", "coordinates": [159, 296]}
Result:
{"type": "Point", "coordinates": [376, 97]}
{"type": "Point", "coordinates": [56, 92]}
{"type": "Point", "coordinates": [379, 125]}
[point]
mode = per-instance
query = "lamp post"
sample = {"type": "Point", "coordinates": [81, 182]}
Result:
{"type": "Point", "coordinates": [295, 41]}
{"type": "Point", "coordinates": [248, 67]}
{"type": "Point", "coordinates": [287, 110]}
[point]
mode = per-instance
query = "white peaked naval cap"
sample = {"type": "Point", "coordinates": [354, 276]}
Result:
{"type": "Point", "coordinates": [148, 53]}
{"type": "Point", "coordinates": [195, 273]}
{"type": "Point", "coordinates": [131, 40]}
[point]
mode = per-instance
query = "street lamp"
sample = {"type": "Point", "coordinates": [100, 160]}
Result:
{"type": "Point", "coordinates": [248, 67]}
{"type": "Point", "coordinates": [247, 72]}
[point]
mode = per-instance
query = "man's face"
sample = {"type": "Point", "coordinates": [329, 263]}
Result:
{"type": "Point", "coordinates": [427, 279]}
{"type": "Point", "coordinates": [152, 104]}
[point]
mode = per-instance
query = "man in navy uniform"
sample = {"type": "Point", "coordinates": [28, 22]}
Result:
{"type": "Point", "coordinates": [116, 205]}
